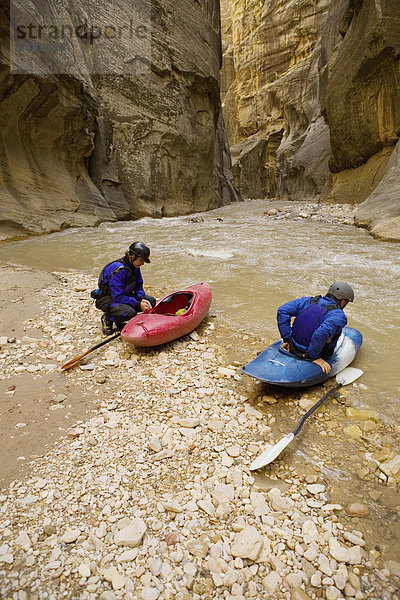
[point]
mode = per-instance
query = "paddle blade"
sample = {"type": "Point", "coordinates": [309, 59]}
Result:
{"type": "Point", "coordinates": [269, 455]}
{"type": "Point", "coordinates": [348, 375]}
{"type": "Point", "coordinates": [73, 362]}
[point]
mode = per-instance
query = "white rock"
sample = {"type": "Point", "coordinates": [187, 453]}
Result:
{"type": "Point", "coordinates": [124, 522]}
{"type": "Point", "coordinates": [23, 541]}
{"type": "Point", "coordinates": [340, 579]}
{"type": "Point", "coordinates": [332, 593]}
{"type": "Point", "coordinates": [324, 565]}
{"type": "Point", "coordinates": [155, 566]}
{"type": "Point", "coordinates": [118, 581]}
{"type": "Point", "coordinates": [234, 450]}
{"type": "Point", "coordinates": [173, 507]}
{"type": "Point", "coordinates": [225, 372]}
{"type": "Point", "coordinates": [248, 543]}
{"type": "Point", "coordinates": [131, 535]}
{"type": "Point", "coordinates": [391, 468]}
{"type": "Point", "coordinates": [88, 367]}
{"type": "Point", "coordinates": [6, 558]}
{"type": "Point", "coordinates": [207, 506]}
{"type": "Point", "coordinates": [281, 503]}
{"type": "Point", "coordinates": [294, 580]}
{"type": "Point", "coordinates": [128, 556]}
{"type": "Point", "coordinates": [223, 493]}
{"type": "Point", "coordinates": [155, 445]}
{"type": "Point", "coordinates": [272, 581]}
{"type": "Point", "coordinates": [40, 484]}
{"type": "Point", "coordinates": [109, 573]}
{"type": "Point", "coordinates": [216, 425]}
{"type": "Point", "coordinates": [84, 570]}
{"type": "Point", "coordinates": [217, 579]}
{"type": "Point", "coordinates": [189, 422]}
{"type": "Point", "coordinates": [149, 593]}
{"type": "Point", "coordinates": [70, 536]}
{"type": "Point", "coordinates": [342, 554]}
{"type": "Point", "coordinates": [309, 531]}
{"type": "Point", "coordinates": [252, 412]}
{"type": "Point", "coordinates": [101, 530]}
{"type": "Point", "coordinates": [316, 579]}
{"type": "Point", "coordinates": [316, 488]}
{"type": "Point", "coordinates": [312, 552]}
{"type": "Point", "coordinates": [353, 539]}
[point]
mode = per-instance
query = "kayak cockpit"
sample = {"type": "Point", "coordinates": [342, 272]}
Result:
{"type": "Point", "coordinates": [174, 304]}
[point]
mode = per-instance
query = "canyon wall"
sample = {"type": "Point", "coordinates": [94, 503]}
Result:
{"type": "Point", "coordinates": [103, 127]}
{"type": "Point", "coordinates": [311, 102]}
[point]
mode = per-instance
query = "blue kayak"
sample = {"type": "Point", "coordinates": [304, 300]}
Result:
{"type": "Point", "coordinates": [278, 367]}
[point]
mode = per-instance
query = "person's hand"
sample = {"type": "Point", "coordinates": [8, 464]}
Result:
{"type": "Point", "coordinates": [326, 367]}
{"type": "Point", "coordinates": [285, 346]}
{"type": "Point", "coordinates": [145, 305]}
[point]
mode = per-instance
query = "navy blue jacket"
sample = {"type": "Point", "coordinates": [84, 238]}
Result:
{"type": "Point", "coordinates": [328, 331]}
{"type": "Point", "coordinates": [126, 284]}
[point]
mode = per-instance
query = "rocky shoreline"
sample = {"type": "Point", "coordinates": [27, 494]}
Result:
{"type": "Point", "coordinates": [148, 495]}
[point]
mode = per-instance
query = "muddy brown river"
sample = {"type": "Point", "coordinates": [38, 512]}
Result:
{"type": "Point", "coordinates": [254, 263]}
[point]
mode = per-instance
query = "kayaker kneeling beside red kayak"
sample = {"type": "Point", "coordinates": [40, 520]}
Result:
{"type": "Point", "coordinates": [120, 294]}
{"type": "Point", "coordinates": [318, 323]}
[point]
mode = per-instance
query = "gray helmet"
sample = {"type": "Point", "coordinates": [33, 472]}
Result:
{"type": "Point", "coordinates": [341, 290]}
{"type": "Point", "coordinates": [141, 250]}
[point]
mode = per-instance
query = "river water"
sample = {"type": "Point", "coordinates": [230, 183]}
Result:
{"type": "Point", "coordinates": [253, 263]}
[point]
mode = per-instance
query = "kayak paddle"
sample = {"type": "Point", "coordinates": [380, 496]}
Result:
{"type": "Point", "coordinates": [346, 376]}
{"type": "Point", "coordinates": [74, 361]}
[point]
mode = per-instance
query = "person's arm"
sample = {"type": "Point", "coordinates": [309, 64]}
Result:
{"type": "Point", "coordinates": [331, 326]}
{"type": "Point", "coordinates": [117, 284]}
{"type": "Point", "coordinates": [138, 289]}
{"type": "Point", "coordinates": [325, 366]}
{"type": "Point", "coordinates": [285, 314]}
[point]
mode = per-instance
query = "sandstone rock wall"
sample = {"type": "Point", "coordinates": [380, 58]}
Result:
{"type": "Point", "coordinates": [114, 134]}
{"type": "Point", "coordinates": [324, 76]}
{"type": "Point", "coordinates": [272, 100]}
{"type": "Point", "coordinates": [360, 99]}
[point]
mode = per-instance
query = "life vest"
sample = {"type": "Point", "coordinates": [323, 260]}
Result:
{"type": "Point", "coordinates": [309, 320]}
{"type": "Point", "coordinates": [104, 286]}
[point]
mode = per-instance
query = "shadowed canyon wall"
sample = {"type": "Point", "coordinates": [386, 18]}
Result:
{"type": "Point", "coordinates": [311, 102]}
{"type": "Point", "coordinates": [90, 142]}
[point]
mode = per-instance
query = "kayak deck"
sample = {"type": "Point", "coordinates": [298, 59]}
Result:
{"type": "Point", "coordinates": [278, 367]}
{"type": "Point", "coordinates": [173, 316]}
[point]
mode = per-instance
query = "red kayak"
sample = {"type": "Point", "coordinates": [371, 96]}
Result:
{"type": "Point", "coordinates": [173, 316]}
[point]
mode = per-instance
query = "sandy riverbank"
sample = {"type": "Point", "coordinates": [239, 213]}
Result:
{"type": "Point", "coordinates": [139, 486]}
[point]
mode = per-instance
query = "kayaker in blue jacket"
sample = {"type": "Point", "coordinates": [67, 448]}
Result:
{"type": "Point", "coordinates": [318, 323]}
{"type": "Point", "coordinates": [120, 294]}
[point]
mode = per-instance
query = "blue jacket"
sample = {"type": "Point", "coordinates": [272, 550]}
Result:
{"type": "Point", "coordinates": [327, 333]}
{"type": "Point", "coordinates": [125, 283]}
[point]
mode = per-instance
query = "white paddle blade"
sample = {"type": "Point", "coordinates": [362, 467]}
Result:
{"type": "Point", "coordinates": [269, 455]}
{"type": "Point", "coordinates": [348, 375]}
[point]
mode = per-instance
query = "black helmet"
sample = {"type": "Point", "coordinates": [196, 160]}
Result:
{"type": "Point", "coordinates": [140, 250]}
{"type": "Point", "coordinates": [341, 290]}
